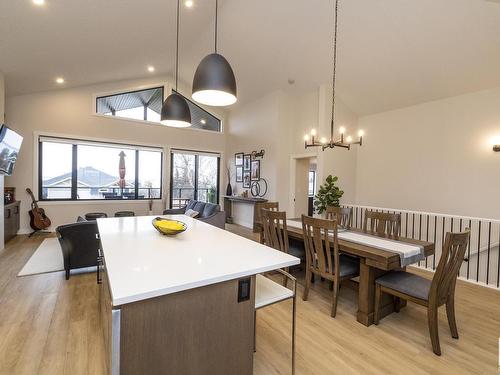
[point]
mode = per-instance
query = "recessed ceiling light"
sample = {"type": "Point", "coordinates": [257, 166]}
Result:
{"type": "Point", "coordinates": [151, 68]}
{"type": "Point", "coordinates": [60, 80]}
{"type": "Point", "coordinates": [203, 121]}
{"type": "Point", "coordinates": [189, 3]}
{"type": "Point", "coordinates": [39, 2]}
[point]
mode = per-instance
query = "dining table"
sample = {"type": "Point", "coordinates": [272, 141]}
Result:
{"type": "Point", "coordinates": [374, 261]}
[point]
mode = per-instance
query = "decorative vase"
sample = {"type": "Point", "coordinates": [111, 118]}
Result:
{"type": "Point", "coordinates": [229, 190]}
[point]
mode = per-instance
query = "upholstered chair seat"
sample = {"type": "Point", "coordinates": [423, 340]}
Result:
{"type": "Point", "coordinates": [407, 283]}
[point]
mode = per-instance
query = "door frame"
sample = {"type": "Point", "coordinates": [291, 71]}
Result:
{"type": "Point", "coordinates": [293, 168]}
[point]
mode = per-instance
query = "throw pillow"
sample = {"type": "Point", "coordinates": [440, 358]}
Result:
{"type": "Point", "coordinates": [191, 213]}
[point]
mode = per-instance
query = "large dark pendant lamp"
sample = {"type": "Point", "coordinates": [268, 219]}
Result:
{"type": "Point", "coordinates": [214, 83]}
{"type": "Point", "coordinates": [175, 110]}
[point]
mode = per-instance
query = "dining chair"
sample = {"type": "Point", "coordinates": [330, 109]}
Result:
{"type": "Point", "coordinates": [124, 213]}
{"type": "Point", "coordinates": [269, 292]}
{"type": "Point", "coordinates": [276, 235]}
{"type": "Point", "coordinates": [95, 215]}
{"type": "Point", "coordinates": [429, 293]}
{"type": "Point", "coordinates": [257, 222]}
{"type": "Point", "coordinates": [382, 223]}
{"type": "Point", "coordinates": [323, 258]}
{"type": "Point", "coordinates": [342, 214]}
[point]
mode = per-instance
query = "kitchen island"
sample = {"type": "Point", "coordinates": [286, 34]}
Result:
{"type": "Point", "coordinates": [182, 304]}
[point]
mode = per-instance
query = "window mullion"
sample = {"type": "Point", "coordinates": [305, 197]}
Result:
{"type": "Point", "coordinates": [136, 183]}
{"type": "Point", "coordinates": [74, 173]}
{"type": "Point", "coordinates": [196, 161]}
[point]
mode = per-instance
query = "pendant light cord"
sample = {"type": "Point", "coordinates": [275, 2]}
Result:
{"type": "Point", "coordinates": [177, 48]}
{"type": "Point", "coordinates": [216, 8]}
{"type": "Point", "coordinates": [334, 66]}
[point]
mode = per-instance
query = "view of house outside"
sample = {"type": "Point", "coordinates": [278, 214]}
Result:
{"type": "Point", "coordinates": [97, 174]}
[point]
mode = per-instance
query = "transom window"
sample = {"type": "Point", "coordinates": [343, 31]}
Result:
{"type": "Point", "coordinates": [146, 105]}
{"type": "Point", "coordinates": [138, 105]}
{"type": "Point", "coordinates": [201, 119]}
{"type": "Point", "coordinates": [72, 169]}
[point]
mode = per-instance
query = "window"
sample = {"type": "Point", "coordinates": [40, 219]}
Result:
{"type": "Point", "coordinates": [146, 105]}
{"type": "Point", "coordinates": [81, 170]}
{"type": "Point", "coordinates": [194, 175]}
{"type": "Point", "coordinates": [138, 105]}
{"type": "Point", "coordinates": [201, 119]}
{"type": "Point", "coordinates": [312, 182]}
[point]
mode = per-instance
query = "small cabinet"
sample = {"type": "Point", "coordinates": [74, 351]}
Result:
{"type": "Point", "coordinates": [11, 220]}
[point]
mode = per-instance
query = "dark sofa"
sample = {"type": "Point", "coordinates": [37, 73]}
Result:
{"type": "Point", "coordinates": [79, 244]}
{"type": "Point", "coordinates": [208, 212]}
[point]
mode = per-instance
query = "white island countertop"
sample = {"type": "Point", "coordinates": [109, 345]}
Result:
{"type": "Point", "coordinates": [141, 263]}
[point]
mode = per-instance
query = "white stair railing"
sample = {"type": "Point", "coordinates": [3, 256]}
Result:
{"type": "Point", "coordinates": [482, 261]}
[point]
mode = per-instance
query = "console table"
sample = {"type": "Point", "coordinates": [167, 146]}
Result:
{"type": "Point", "coordinates": [228, 204]}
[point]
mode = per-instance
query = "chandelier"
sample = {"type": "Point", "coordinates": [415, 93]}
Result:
{"type": "Point", "coordinates": [311, 140]}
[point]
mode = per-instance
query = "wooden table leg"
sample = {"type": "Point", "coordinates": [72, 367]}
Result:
{"type": "Point", "coordinates": [366, 295]}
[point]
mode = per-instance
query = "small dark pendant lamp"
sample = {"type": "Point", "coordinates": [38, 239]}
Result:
{"type": "Point", "coordinates": [175, 110]}
{"type": "Point", "coordinates": [214, 83]}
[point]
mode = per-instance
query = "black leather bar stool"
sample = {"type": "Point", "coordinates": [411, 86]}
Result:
{"type": "Point", "coordinates": [95, 215]}
{"type": "Point", "coordinates": [124, 213]}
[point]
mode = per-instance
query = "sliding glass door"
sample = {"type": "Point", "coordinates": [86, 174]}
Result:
{"type": "Point", "coordinates": [193, 175]}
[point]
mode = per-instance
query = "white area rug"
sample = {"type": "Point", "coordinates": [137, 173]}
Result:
{"type": "Point", "coordinates": [47, 258]}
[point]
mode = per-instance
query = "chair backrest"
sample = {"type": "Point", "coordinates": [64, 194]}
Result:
{"type": "Point", "coordinates": [124, 213]}
{"type": "Point", "coordinates": [95, 215]}
{"type": "Point", "coordinates": [320, 235]}
{"type": "Point", "coordinates": [452, 256]}
{"type": "Point", "coordinates": [275, 229]}
{"type": "Point", "coordinates": [79, 243]}
{"type": "Point", "coordinates": [273, 206]}
{"type": "Point", "coordinates": [341, 214]}
{"type": "Point", "coordinates": [382, 223]}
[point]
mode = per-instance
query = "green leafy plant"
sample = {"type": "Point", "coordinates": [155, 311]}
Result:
{"type": "Point", "coordinates": [328, 195]}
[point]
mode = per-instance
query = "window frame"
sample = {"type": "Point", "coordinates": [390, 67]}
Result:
{"type": "Point", "coordinates": [196, 153]}
{"type": "Point", "coordinates": [74, 141]}
{"type": "Point", "coordinates": [220, 131]}
{"type": "Point", "coordinates": [123, 92]}
{"type": "Point", "coordinates": [167, 88]}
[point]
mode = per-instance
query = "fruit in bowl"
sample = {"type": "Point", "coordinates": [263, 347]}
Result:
{"type": "Point", "coordinates": [169, 227]}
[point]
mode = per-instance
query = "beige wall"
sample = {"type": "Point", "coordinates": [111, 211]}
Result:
{"type": "Point", "coordinates": [70, 112]}
{"type": "Point", "coordinates": [434, 157]}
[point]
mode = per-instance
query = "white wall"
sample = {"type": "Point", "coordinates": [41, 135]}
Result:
{"type": "Point", "coordinates": [2, 115]}
{"type": "Point", "coordinates": [277, 123]}
{"type": "Point", "coordinates": [70, 112]}
{"type": "Point", "coordinates": [434, 157]}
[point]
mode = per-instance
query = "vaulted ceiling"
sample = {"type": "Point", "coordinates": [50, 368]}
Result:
{"type": "Point", "coordinates": [392, 53]}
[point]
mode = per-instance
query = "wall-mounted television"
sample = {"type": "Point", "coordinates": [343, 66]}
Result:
{"type": "Point", "coordinates": [10, 144]}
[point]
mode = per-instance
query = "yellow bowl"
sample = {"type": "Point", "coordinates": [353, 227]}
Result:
{"type": "Point", "coordinates": [168, 231]}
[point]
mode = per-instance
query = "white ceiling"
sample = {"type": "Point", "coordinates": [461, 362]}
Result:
{"type": "Point", "coordinates": [392, 53]}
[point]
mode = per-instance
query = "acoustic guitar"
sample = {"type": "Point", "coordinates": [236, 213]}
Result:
{"type": "Point", "coordinates": [38, 219]}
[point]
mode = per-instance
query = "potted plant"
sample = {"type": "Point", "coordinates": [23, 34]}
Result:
{"type": "Point", "coordinates": [328, 195]}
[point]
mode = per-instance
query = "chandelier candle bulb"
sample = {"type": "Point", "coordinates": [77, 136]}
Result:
{"type": "Point", "coordinates": [332, 142]}
{"type": "Point", "coordinates": [361, 133]}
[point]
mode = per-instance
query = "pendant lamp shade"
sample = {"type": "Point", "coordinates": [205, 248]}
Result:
{"type": "Point", "coordinates": [214, 83]}
{"type": "Point", "coordinates": [175, 112]}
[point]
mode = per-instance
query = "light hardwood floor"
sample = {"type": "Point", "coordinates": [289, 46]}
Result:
{"type": "Point", "coordinates": [50, 326]}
